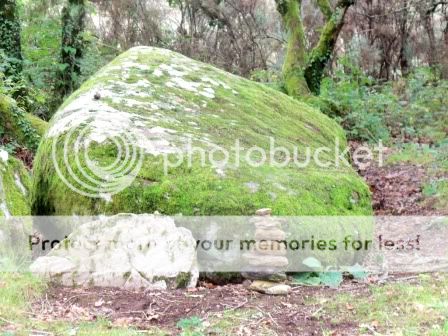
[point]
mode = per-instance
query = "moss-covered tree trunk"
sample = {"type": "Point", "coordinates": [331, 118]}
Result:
{"type": "Point", "coordinates": [303, 70]}
{"type": "Point", "coordinates": [293, 66]}
{"type": "Point", "coordinates": [10, 42]}
{"type": "Point", "coordinates": [321, 54]}
{"type": "Point", "coordinates": [72, 49]}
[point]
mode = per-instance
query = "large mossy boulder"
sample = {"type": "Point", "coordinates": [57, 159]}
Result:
{"type": "Point", "coordinates": [15, 184]}
{"type": "Point", "coordinates": [169, 103]}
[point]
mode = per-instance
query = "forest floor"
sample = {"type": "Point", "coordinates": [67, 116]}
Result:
{"type": "Point", "coordinates": [414, 181]}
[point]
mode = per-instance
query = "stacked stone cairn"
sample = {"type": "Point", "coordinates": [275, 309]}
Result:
{"type": "Point", "coordinates": [267, 262]}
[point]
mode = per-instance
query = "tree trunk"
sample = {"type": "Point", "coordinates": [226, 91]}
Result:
{"type": "Point", "coordinates": [445, 34]}
{"type": "Point", "coordinates": [303, 71]}
{"type": "Point", "coordinates": [404, 32]}
{"type": "Point", "coordinates": [429, 27]}
{"type": "Point", "coordinates": [295, 59]}
{"type": "Point", "coordinates": [72, 49]}
{"type": "Point", "coordinates": [322, 53]}
{"type": "Point", "coordinates": [10, 31]}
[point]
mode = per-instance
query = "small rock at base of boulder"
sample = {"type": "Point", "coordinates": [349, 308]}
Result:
{"type": "Point", "coordinates": [268, 276]}
{"type": "Point", "coordinates": [270, 288]}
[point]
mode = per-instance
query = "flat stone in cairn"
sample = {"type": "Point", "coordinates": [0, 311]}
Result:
{"type": "Point", "coordinates": [266, 260]}
{"type": "Point", "coordinates": [274, 234]}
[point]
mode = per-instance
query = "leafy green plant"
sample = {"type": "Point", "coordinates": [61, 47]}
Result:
{"type": "Point", "coordinates": [430, 189]}
{"type": "Point", "coordinates": [191, 326]}
{"type": "Point", "coordinates": [10, 147]}
{"type": "Point", "coordinates": [356, 271]}
{"type": "Point", "coordinates": [415, 107]}
{"type": "Point", "coordinates": [364, 109]}
{"type": "Point", "coordinates": [326, 276]}
{"type": "Point", "coordinates": [320, 275]}
{"type": "Point", "coordinates": [41, 44]}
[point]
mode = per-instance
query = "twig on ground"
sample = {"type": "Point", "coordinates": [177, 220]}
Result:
{"type": "Point", "coordinates": [268, 314]}
{"type": "Point", "coordinates": [317, 311]}
{"type": "Point", "coordinates": [240, 305]}
{"type": "Point", "coordinates": [272, 319]}
{"type": "Point", "coordinates": [7, 321]}
{"type": "Point", "coordinates": [404, 279]}
{"type": "Point", "coordinates": [39, 333]}
{"type": "Point", "coordinates": [73, 297]}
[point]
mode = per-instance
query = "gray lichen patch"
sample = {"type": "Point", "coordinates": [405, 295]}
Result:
{"type": "Point", "coordinates": [19, 184]}
{"type": "Point", "coordinates": [3, 161]}
{"type": "Point", "coordinates": [4, 212]}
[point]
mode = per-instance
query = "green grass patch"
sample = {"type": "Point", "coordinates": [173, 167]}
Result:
{"type": "Point", "coordinates": [397, 309]}
{"type": "Point", "coordinates": [413, 154]}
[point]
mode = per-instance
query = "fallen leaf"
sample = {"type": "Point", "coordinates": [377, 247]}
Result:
{"type": "Point", "coordinates": [152, 317]}
{"type": "Point", "coordinates": [99, 303]}
{"type": "Point", "coordinates": [209, 285]}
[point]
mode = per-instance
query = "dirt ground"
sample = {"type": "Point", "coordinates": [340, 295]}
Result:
{"type": "Point", "coordinates": [397, 189]}
{"type": "Point", "coordinates": [296, 314]}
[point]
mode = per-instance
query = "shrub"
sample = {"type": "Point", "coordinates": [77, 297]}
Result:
{"type": "Point", "coordinates": [412, 108]}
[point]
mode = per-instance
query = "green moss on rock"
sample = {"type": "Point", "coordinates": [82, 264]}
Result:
{"type": "Point", "coordinates": [167, 99]}
{"type": "Point", "coordinates": [15, 184]}
{"type": "Point", "coordinates": [38, 124]}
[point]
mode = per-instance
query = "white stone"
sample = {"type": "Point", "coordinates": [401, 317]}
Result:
{"type": "Point", "coordinates": [128, 251]}
{"type": "Point", "coordinates": [4, 155]}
